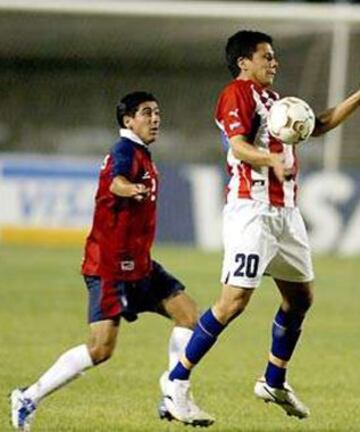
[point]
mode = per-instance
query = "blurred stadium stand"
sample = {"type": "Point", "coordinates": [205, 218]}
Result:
{"type": "Point", "coordinates": [62, 71]}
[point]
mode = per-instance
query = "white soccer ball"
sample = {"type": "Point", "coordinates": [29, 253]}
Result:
{"type": "Point", "coordinates": [291, 120]}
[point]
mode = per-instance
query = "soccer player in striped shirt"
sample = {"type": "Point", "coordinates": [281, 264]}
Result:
{"type": "Point", "coordinates": [121, 278]}
{"type": "Point", "coordinates": [263, 230]}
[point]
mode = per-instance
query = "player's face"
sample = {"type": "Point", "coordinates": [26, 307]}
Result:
{"type": "Point", "coordinates": [146, 122]}
{"type": "Point", "coordinates": [262, 67]}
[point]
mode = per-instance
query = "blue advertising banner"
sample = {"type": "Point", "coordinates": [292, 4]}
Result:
{"type": "Point", "coordinates": [52, 199]}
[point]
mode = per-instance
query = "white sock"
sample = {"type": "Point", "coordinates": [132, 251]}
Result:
{"type": "Point", "coordinates": [66, 368]}
{"type": "Point", "coordinates": [179, 338]}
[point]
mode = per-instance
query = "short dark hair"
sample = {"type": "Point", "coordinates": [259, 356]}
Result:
{"type": "Point", "coordinates": [243, 44]}
{"type": "Point", "coordinates": [129, 104]}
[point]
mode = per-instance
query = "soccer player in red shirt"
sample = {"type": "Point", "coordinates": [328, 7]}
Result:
{"type": "Point", "coordinates": [121, 278]}
{"type": "Point", "coordinates": [263, 230]}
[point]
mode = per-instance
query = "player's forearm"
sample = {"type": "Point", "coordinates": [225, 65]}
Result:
{"type": "Point", "coordinates": [248, 153]}
{"type": "Point", "coordinates": [122, 187]}
{"type": "Point", "coordinates": [332, 117]}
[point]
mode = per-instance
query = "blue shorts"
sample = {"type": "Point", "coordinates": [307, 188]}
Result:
{"type": "Point", "coordinates": [112, 299]}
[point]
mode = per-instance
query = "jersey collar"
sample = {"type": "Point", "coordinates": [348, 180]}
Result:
{"type": "Point", "coordinates": [127, 133]}
{"type": "Point", "coordinates": [256, 84]}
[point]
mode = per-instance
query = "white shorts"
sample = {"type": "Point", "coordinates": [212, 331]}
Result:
{"type": "Point", "coordinates": [262, 239]}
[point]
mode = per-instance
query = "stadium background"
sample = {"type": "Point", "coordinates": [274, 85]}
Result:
{"type": "Point", "coordinates": [63, 66]}
{"type": "Point", "coordinates": [63, 69]}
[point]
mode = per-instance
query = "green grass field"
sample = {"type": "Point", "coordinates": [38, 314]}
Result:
{"type": "Point", "coordinates": [43, 313]}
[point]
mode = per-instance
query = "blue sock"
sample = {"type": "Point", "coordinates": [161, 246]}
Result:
{"type": "Point", "coordinates": [179, 372]}
{"type": "Point", "coordinates": [286, 331]}
{"type": "Point", "coordinates": [275, 375]}
{"type": "Point", "coordinates": [203, 338]}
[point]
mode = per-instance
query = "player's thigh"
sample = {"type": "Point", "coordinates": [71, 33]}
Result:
{"type": "Point", "coordinates": [181, 308]}
{"type": "Point", "coordinates": [169, 299]}
{"type": "Point", "coordinates": [249, 244]}
{"type": "Point", "coordinates": [231, 302]}
{"type": "Point", "coordinates": [104, 299]}
{"type": "Point", "coordinates": [104, 323]}
{"type": "Point", "coordinates": [293, 261]}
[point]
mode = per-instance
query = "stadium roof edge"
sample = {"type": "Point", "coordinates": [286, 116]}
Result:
{"type": "Point", "coordinates": [195, 9]}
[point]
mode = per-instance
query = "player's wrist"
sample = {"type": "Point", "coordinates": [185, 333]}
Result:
{"type": "Point", "coordinates": [273, 159]}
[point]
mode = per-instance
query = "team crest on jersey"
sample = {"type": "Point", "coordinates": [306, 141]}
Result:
{"type": "Point", "coordinates": [127, 265]}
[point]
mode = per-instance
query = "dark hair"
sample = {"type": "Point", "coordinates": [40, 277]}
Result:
{"type": "Point", "coordinates": [243, 44]}
{"type": "Point", "coordinates": [129, 104]}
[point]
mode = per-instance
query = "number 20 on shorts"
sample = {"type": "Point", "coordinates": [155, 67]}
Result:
{"type": "Point", "coordinates": [248, 265]}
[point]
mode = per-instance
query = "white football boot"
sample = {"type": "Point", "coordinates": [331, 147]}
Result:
{"type": "Point", "coordinates": [163, 412]}
{"type": "Point", "coordinates": [22, 410]}
{"type": "Point", "coordinates": [178, 403]}
{"type": "Point", "coordinates": [285, 398]}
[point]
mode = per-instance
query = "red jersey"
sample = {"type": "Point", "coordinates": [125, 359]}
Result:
{"type": "Point", "coordinates": [123, 230]}
{"type": "Point", "coordinates": [242, 109]}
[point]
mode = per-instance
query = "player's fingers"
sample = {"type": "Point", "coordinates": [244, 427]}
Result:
{"type": "Point", "coordinates": [280, 174]}
{"type": "Point", "coordinates": [141, 189]}
{"type": "Point", "coordinates": [139, 197]}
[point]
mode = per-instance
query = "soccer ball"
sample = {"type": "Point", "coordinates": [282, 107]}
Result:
{"type": "Point", "coordinates": [291, 120]}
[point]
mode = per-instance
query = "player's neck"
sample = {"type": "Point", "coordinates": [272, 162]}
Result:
{"type": "Point", "coordinates": [247, 77]}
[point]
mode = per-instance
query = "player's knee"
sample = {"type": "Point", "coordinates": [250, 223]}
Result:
{"type": "Point", "coordinates": [302, 303]}
{"type": "Point", "coordinates": [308, 301]}
{"type": "Point", "coordinates": [226, 312]}
{"type": "Point", "coordinates": [100, 353]}
{"type": "Point", "coordinates": [184, 312]}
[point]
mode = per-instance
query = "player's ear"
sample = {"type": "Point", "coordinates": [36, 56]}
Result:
{"type": "Point", "coordinates": [127, 121]}
{"type": "Point", "coordinates": [242, 63]}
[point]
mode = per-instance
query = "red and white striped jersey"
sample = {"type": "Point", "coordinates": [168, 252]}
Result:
{"type": "Point", "coordinates": [242, 109]}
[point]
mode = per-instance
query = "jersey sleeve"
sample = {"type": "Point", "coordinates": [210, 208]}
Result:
{"type": "Point", "coordinates": [122, 156]}
{"type": "Point", "coordinates": [235, 111]}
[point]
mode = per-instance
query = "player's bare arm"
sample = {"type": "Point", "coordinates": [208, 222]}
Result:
{"type": "Point", "coordinates": [332, 117]}
{"type": "Point", "coordinates": [246, 152]}
{"type": "Point", "coordinates": [122, 187]}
